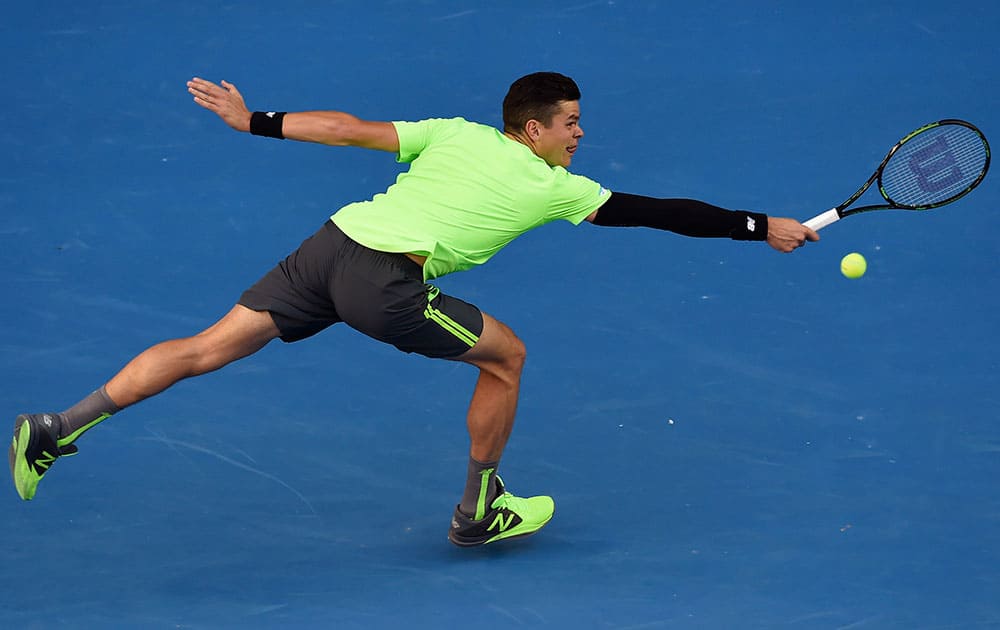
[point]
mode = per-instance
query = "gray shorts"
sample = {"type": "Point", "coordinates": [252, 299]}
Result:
{"type": "Point", "coordinates": [330, 279]}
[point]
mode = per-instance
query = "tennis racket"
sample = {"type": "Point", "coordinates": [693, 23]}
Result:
{"type": "Point", "coordinates": [935, 165]}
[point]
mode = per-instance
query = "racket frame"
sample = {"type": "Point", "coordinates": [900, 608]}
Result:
{"type": "Point", "coordinates": [835, 214]}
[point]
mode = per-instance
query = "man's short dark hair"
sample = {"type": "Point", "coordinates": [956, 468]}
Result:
{"type": "Point", "coordinates": [536, 97]}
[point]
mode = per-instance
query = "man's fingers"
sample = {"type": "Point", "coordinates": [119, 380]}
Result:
{"type": "Point", "coordinates": [213, 96]}
{"type": "Point", "coordinates": [224, 100]}
{"type": "Point", "coordinates": [199, 88]}
{"type": "Point", "coordinates": [207, 94]}
{"type": "Point", "coordinates": [201, 84]}
{"type": "Point", "coordinates": [208, 89]}
{"type": "Point", "coordinates": [201, 98]}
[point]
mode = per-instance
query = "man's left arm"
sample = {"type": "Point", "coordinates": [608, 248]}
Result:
{"type": "Point", "coordinates": [697, 218]}
{"type": "Point", "coordinates": [332, 128]}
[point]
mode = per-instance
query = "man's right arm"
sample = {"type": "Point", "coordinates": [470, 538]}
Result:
{"type": "Point", "coordinates": [697, 218]}
{"type": "Point", "coordinates": [330, 128]}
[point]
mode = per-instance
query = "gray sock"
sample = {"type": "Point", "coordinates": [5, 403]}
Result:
{"type": "Point", "coordinates": [480, 489]}
{"type": "Point", "coordinates": [86, 414]}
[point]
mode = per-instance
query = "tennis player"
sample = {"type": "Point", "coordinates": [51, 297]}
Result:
{"type": "Point", "coordinates": [470, 190]}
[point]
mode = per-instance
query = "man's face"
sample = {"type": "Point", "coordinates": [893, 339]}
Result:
{"type": "Point", "coordinates": [556, 143]}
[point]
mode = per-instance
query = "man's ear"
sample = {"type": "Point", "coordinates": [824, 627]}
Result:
{"type": "Point", "coordinates": [532, 128]}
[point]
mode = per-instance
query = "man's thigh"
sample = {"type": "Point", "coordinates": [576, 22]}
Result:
{"type": "Point", "coordinates": [384, 296]}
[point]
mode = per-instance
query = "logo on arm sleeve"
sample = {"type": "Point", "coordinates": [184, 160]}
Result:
{"type": "Point", "coordinates": [751, 224]}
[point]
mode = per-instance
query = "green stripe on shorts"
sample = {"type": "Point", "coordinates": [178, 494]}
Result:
{"type": "Point", "coordinates": [441, 319]}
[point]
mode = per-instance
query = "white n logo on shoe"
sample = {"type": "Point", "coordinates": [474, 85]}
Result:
{"type": "Point", "coordinates": [499, 521]}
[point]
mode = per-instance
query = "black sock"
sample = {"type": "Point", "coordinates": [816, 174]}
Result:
{"type": "Point", "coordinates": [480, 489]}
{"type": "Point", "coordinates": [84, 415]}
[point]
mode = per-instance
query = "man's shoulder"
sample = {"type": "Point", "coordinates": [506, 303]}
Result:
{"type": "Point", "coordinates": [454, 121]}
{"type": "Point", "coordinates": [438, 128]}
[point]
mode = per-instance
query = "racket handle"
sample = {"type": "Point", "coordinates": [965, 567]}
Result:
{"type": "Point", "coordinates": [822, 220]}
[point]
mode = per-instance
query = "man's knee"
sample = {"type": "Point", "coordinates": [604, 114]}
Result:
{"type": "Point", "coordinates": [518, 352]}
{"type": "Point", "coordinates": [498, 351]}
{"type": "Point", "coordinates": [240, 333]}
{"type": "Point", "coordinates": [510, 358]}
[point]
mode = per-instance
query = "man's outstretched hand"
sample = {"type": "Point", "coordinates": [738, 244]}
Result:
{"type": "Point", "coordinates": [224, 100]}
{"type": "Point", "coordinates": [785, 235]}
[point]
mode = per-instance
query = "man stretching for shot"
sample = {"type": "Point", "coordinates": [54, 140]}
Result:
{"type": "Point", "coordinates": [469, 191]}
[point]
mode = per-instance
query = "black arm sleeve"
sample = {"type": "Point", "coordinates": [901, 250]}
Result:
{"type": "Point", "coordinates": [683, 216]}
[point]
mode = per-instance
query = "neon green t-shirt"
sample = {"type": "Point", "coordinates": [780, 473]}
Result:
{"type": "Point", "coordinates": [469, 191]}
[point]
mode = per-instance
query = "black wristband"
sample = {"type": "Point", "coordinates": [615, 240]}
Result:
{"type": "Point", "coordinates": [752, 226]}
{"type": "Point", "coordinates": [267, 124]}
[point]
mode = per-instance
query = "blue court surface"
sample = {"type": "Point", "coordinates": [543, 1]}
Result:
{"type": "Point", "coordinates": [734, 438]}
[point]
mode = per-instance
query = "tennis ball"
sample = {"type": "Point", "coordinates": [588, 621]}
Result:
{"type": "Point", "coordinates": [853, 265]}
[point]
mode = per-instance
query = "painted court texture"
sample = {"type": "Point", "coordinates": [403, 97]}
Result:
{"type": "Point", "coordinates": [734, 438]}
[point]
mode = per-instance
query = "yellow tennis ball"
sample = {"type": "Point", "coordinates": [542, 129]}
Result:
{"type": "Point", "coordinates": [853, 265]}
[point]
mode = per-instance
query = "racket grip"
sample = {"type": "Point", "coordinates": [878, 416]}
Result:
{"type": "Point", "coordinates": [822, 220]}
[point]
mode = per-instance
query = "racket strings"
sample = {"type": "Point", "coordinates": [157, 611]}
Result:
{"type": "Point", "coordinates": [935, 166]}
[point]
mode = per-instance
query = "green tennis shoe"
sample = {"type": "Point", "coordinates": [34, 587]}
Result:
{"type": "Point", "coordinates": [33, 451]}
{"type": "Point", "coordinates": [508, 517]}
